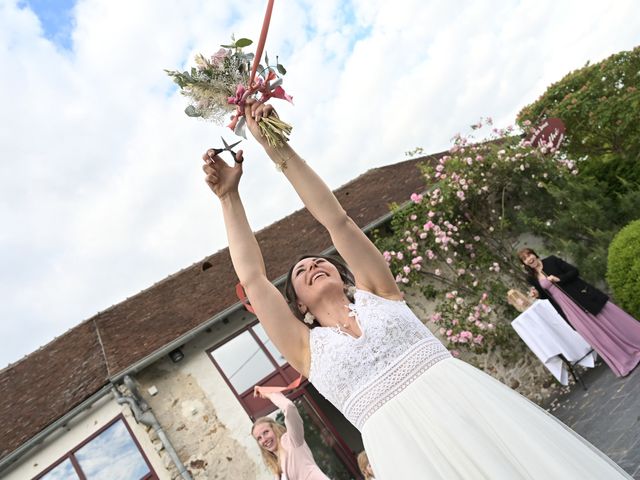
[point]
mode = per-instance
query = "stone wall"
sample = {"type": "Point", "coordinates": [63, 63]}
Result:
{"type": "Point", "coordinates": [201, 439]}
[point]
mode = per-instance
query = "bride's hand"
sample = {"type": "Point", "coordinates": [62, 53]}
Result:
{"type": "Point", "coordinates": [222, 178]}
{"type": "Point", "coordinates": [254, 111]}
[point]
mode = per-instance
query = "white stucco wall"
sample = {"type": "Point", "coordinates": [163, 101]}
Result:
{"type": "Point", "coordinates": [77, 430]}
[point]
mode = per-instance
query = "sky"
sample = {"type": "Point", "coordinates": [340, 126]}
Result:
{"type": "Point", "coordinates": [101, 190]}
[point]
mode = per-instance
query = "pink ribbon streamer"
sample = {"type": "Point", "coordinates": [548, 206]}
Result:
{"type": "Point", "coordinates": [263, 86]}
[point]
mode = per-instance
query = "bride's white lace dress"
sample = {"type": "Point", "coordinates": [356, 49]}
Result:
{"type": "Point", "coordinates": [424, 414]}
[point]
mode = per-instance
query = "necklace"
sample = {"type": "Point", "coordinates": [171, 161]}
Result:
{"type": "Point", "coordinates": [340, 326]}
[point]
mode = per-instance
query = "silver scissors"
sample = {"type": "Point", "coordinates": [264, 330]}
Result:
{"type": "Point", "coordinates": [228, 148]}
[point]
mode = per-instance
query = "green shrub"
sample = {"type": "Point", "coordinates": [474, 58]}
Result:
{"type": "Point", "coordinates": [623, 269]}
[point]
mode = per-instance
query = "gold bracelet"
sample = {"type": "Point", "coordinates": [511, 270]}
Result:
{"type": "Point", "coordinates": [282, 165]}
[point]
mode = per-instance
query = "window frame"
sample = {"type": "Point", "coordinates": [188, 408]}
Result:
{"type": "Point", "coordinates": [70, 454]}
{"type": "Point", "coordinates": [284, 371]}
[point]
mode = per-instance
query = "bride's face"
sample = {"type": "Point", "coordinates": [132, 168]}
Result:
{"type": "Point", "coordinates": [312, 277]}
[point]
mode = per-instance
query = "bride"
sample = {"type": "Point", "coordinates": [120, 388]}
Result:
{"type": "Point", "coordinates": [422, 413]}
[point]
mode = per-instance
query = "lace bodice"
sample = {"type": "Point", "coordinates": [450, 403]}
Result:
{"type": "Point", "coordinates": [359, 375]}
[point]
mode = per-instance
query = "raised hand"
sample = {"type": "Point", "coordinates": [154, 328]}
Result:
{"type": "Point", "coordinates": [254, 111]}
{"type": "Point", "coordinates": [222, 178]}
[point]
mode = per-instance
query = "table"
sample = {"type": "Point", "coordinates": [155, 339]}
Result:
{"type": "Point", "coordinates": [550, 338]}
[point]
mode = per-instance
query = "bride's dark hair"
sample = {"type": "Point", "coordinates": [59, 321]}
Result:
{"type": "Point", "coordinates": [345, 274]}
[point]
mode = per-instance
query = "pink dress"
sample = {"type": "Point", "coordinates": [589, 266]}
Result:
{"type": "Point", "coordinates": [298, 463]}
{"type": "Point", "coordinates": [613, 333]}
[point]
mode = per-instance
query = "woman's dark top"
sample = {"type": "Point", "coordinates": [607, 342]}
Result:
{"type": "Point", "coordinates": [587, 296]}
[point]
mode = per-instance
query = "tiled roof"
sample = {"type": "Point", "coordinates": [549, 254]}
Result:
{"type": "Point", "coordinates": [46, 384]}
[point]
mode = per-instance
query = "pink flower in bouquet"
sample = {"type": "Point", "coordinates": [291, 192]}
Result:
{"type": "Point", "coordinates": [478, 339]}
{"type": "Point", "coordinates": [218, 58]}
{"type": "Point", "coordinates": [455, 353]}
{"type": "Point", "coordinates": [399, 256]}
{"type": "Point", "coordinates": [428, 226]}
{"type": "Point", "coordinates": [406, 269]}
{"type": "Point", "coordinates": [386, 255]}
{"type": "Point", "coordinates": [416, 197]}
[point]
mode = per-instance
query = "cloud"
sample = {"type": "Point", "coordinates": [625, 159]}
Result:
{"type": "Point", "coordinates": [102, 193]}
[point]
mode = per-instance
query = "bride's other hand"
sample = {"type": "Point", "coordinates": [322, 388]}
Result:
{"type": "Point", "coordinates": [222, 178]}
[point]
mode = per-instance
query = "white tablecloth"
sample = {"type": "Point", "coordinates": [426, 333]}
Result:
{"type": "Point", "coordinates": [548, 336]}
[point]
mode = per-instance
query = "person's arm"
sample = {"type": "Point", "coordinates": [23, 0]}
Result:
{"type": "Point", "coordinates": [292, 418]}
{"type": "Point", "coordinates": [288, 334]}
{"type": "Point", "coordinates": [569, 272]}
{"type": "Point", "coordinates": [364, 259]}
{"type": "Point", "coordinates": [540, 292]}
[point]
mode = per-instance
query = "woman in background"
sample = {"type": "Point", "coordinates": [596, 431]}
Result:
{"type": "Point", "coordinates": [365, 466]}
{"type": "Point", "coordinates": [284, 450]}
{"type": "Point", "coordinates": [611, 331]}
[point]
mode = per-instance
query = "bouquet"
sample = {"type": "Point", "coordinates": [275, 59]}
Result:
{"type": "Point", "coordinates": [221, 84]}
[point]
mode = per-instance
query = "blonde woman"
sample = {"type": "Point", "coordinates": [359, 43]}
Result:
{"type": "Point", "coordinates": [365, 466]}
{"type": "Point", "coordinates": [422, 413]}
{"type": "Point", "coordinates": [284, 451]}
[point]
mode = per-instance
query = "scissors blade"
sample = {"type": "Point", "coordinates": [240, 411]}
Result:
{"type": "Point", "coordinates": [227, 146]}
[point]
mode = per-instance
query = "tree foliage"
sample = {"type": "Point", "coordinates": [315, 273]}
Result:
{"type": "Point", "coordinates": [600, 106]}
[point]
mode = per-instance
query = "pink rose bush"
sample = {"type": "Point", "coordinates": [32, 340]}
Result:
{"type": "Point", "coordinates": [456, 239]}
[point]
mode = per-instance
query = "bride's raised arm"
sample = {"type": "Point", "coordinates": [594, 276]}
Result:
{"type": "Point", "coordinates": [365, 261]}
{"type": "Point", "coordinates": [288, 334]}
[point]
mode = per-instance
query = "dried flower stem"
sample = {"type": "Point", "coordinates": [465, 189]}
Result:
{"type": "Point", "coordinates": [274, 130]}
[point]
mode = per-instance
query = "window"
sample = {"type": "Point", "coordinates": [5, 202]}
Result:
{"type": "Point", "coordinates": [110, 453]}
{"type": "Point", "coordinates": [250, 358]}
{"type": "Point", "coordinates": [262, 335]}
{"type": "Point", "coordinates": [243, 361]}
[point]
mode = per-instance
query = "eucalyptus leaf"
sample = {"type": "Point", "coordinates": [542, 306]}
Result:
{"type": "Point", "coordinates": [281, 69]}
{"type": "Point", "coordinates": [192, 111]}
{"type": "Point", "coordinates": [266, 58]}
{"type": "Point", "coordinates": [243, 42]}
{"type": "Point", "coordinates": [228, 46]}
